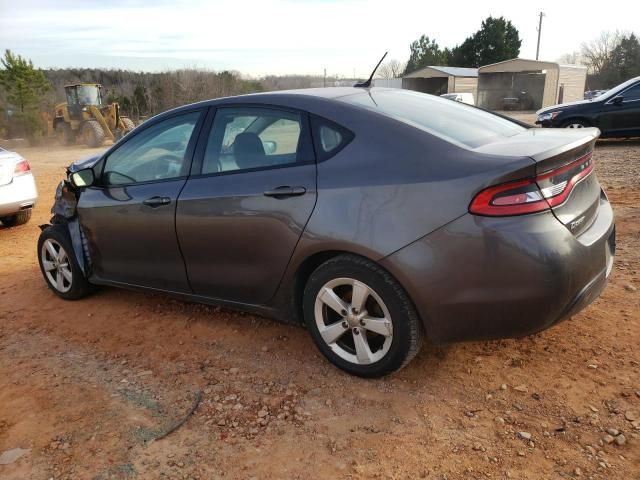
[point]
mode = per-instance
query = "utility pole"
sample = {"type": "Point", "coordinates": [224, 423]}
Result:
{"type": "Point", "coordinates": [324, 80]}
{"type": "Point", "coordinates": [539, 33]}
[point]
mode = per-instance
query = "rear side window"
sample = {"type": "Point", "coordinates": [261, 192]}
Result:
{"type": "Point", "coordinates": [329, 138]}
{"type": "Point", "coordinates": [453, 121]}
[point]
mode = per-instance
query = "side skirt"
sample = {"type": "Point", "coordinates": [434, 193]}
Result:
{"type": "Point", "coordinates": [262, 310]}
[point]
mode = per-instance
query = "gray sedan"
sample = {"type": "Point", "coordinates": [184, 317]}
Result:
{"type": "Point", "coordinates": [374, 217]}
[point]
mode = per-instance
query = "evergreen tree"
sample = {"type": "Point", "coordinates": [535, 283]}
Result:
{"type": "Point", "coordinates": [424, 52]}
{"type": "Point", "coordinates": [497, 40]}
{"type": "Point", "coordinates": [24, 84]}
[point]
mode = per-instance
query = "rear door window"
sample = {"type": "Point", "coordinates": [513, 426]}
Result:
{"type": "Point", "coordinates": [247, 138]}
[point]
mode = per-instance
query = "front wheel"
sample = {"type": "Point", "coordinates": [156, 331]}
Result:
{"type": "Point", "coordinates": [128, 124]}
{"type": "Point", "coordinates": [360, 318]}
{"type": "Point", "coordinates": [59, 266]}
{"type": "Point", "coordinates": [576, 124]}
{"type": "Point", "coordinates": [92, 133]}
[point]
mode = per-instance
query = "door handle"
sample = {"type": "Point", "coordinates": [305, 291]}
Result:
{"type": "Point", "coordinates": [154, 202]}
{"type": "Point", "coordinates": [285, 191]}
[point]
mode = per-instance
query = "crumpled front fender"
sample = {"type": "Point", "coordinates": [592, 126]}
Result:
{"type": "Point", "coordinates": [64, 212]}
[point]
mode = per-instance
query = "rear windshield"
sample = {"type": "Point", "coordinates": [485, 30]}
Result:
{"type": "Point", "coordinates": [453, 121]}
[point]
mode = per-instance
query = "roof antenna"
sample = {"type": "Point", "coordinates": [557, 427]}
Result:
{"type": "Point", "coordinates": [367, 84]}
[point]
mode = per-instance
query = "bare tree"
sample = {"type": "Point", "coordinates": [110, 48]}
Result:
{"type": "Point", "coordinates": [391, 69]}
{"type": "Point", "coordinates": [596, 53]}
{"type": "Point", "coordinates": [573, 58]}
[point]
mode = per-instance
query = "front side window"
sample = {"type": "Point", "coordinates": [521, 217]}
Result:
{"type": "Point", "coordinates": [155, 153]}
{"type": "Point", "coordinates": [89, 95]}
{"type": "Point", "coordinates": [632, 94]}
{"type": "Point", "coordinates": [247, 138]}
{"type": "Point", "coordinates": [453, 121]}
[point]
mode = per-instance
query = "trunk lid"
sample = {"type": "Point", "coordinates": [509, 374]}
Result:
{"type": "Point", "coordinates": [564, 163]}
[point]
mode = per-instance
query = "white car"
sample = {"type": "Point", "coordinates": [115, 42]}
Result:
{"type": "Point", "coordinates": [18, 192]}
{"type": "Point", "coordinates": [460, 97]}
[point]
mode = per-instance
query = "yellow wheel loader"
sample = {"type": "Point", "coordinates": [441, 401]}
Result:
{"type": "Point", "coordinates": [84, 119]}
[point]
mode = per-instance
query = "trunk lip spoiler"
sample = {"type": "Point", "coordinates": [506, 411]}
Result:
{"type": "Point", "coordinates": [591, 135]}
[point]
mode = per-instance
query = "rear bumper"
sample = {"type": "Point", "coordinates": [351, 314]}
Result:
{"type": "Point", "coordinates": [18, 195]}
{"type": "Point", "coordinates": [486, 278]}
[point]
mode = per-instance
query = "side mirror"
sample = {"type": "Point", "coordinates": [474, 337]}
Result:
{"type": "Point", "coordinates": [617, 100]}
{"type": "Point", "coordinates": [270, 147]}
{"type": "Point", "coordinates": [82, 178]}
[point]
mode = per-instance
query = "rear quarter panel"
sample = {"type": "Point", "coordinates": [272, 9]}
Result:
{"type": "Point", "coordinates": [394, 184]}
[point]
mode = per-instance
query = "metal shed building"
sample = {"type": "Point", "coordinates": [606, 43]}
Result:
{"type": "Point", "coordinates": [439, 80]}
{"type": "Point", "coordinates": [521, 84]}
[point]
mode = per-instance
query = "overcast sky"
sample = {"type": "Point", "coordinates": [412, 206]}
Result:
{"type": "Point", "coordinates": [281, 36]}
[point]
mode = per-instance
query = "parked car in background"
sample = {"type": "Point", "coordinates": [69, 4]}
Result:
{"type": "Point", "coordinates": [375, 217]}
{"type": "Point", "coordinates": [589, 94]}
{"type": "Point", "coordinates": [460, 97]}
{"type": "Point", "coordinates": [616, 112]}
{"type": "Point", "coordinates": [524, 101]}
{"type": "Point", "coordinates": [18, 192]}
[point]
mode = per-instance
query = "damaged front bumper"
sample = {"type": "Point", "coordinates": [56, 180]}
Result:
{"type": "Point", "coordinates": [64, 212]}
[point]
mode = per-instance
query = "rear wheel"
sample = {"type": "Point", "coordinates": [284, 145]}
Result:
{"type": "Point", "coordinates": [92, 133]}
{"type": "Point", "coordinates": [58, 264]}
{"type": "Point", "coordinates": [64, 134]}
{"type": "Point", "coordinates": [19, 218]}
{"type": "Point", "coordinates": [360, 318]}
{"type": "Point", "coordinates": [575, 123]}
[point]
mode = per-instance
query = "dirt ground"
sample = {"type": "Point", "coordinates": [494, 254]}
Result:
{"type": "Point", "coordinates": [87, 386]}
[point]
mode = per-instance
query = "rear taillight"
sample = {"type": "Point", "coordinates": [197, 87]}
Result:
{"type": "Point", "coordinates": [533, 194]}
{"type": "Point", "coordinates": [22, 167]}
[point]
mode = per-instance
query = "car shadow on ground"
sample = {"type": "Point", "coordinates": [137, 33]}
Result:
{"type": "Point", "coordinates": [619, 142]}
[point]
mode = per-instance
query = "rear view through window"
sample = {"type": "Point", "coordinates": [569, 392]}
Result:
{"type": "Point", "coordinates": [453, 121]}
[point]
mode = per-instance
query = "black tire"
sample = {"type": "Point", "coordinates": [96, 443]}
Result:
{"type": "Point", "coordinates": [406, 336]}
{"type": "Point", "coordinates": [65, 134]}
{"type": "Point", "coordinates": [92, 133]}
{"type": "Point", "coordinates": [19, 218]}
{"type": "Point", "coordinates": [128, 124]}
{"type": "Point", "coordinates": [575, 123]}
{"type": "Point", "coordinates": [78, 287]}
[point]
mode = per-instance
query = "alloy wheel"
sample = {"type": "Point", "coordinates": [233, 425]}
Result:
{"type": "Point", "coordinates": [55, 263]}
{"type": "Point", "coordinates": [353, 321]}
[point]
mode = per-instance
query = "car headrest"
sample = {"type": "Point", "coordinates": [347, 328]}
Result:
{"type": "Point", "coordinates": [248, 150]}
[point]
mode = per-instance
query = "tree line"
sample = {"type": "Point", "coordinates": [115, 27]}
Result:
{"type": "Point", "coordinates": [612, 58]}
{"type": "Point", "coordinates": [27, 92]}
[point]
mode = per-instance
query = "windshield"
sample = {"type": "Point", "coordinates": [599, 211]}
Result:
{"type": "Point", "coordinates": [454, 121]}
{"type": "Point", "coordinates": [616, 90]}
{"type": "Point", "coordinates": [89, 95]}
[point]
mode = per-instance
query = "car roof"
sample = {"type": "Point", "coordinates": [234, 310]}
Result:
{"type": "Point", "coordinates": [329, 93]}
{"type": "Point", "coordinates": [326, 93]}
{"type": "Point", "coordinates": [299, 98]}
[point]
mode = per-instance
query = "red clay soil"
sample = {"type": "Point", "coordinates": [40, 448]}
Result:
{"type": "Point", "coordinates": [87, 386]}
